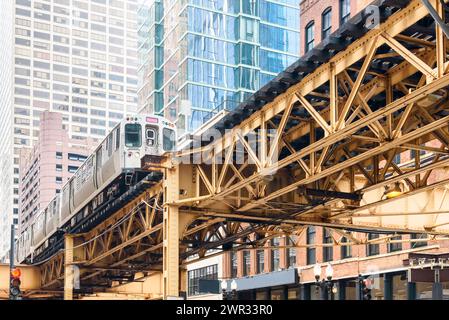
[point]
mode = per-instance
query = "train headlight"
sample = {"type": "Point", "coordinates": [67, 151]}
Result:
{"type": "Point", "coordinates": [137, 154]}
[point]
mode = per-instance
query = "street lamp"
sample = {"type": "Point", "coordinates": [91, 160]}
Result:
{"type": "Point", "coordinates": [224, 290]}
{"type": "Point", "coordinates": [234, 290]}
{"type": "Point", "coordinates": [224, 287]}
{"type": "Point", "coordinates": [326, 285]}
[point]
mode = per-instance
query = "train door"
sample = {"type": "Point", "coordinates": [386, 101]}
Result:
{"type": "Point", "coordinates": [151, 140]}
{"type": "Point", "coordinates": [108, 170]}
{"type": "Point", "coordinates": [133, 144]}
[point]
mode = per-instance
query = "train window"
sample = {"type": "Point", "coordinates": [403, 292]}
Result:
{"type": "Point", "coordinates": [117, 139]}
{"type": "Point", "coordinates": [151, 137]}
{"type": "Point", "coordinates": [110, 145]}
{"type": "Point", "coordinates": [168, 139]}
{"type": "Point", "coordinates": [133, 136]}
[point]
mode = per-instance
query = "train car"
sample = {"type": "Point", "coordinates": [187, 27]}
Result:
{"type": "Point", "coordinates": [114, 166]}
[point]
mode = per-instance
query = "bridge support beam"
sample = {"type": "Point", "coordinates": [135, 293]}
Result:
{"type": "Point", "coordinates": [68, 267]}
{"type": "Point", "coordinates": [171, 235]}
{"type": "Point", "coordinates": [72, 253]}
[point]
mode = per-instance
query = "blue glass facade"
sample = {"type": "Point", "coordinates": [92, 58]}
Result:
{"type": "Point", "coordinates": [200, 56]}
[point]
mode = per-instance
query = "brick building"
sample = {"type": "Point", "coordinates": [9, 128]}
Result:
{"type": "Point", "coordinates": [319, 18]}
{"type": "Point", "coordinates": [45, 168]}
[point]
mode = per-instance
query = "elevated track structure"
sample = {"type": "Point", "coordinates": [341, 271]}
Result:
{"type": "Point", "coordinates": [317, 146]}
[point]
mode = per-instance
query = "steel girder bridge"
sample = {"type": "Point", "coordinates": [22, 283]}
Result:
{"type": "Point", "coordinates": [329, 135]}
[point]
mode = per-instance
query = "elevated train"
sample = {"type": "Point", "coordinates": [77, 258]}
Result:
{"type": "Point", "coordinates": [108, 172]}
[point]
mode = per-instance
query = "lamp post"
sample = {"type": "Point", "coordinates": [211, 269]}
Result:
{"type": "Point", "coordinates": [326, 285]}
{"type": "Point", "coordinates": [224, 290]}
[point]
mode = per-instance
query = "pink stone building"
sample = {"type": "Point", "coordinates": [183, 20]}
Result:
{"type": "Point", "coordinates": [46, 167]}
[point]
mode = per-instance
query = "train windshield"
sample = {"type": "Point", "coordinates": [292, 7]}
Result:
{"type": "Point", "coordinates": [133, 135]}
{"type": "Point", "coordinates": [169, 139]}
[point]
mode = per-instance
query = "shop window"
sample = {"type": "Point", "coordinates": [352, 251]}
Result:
{"type": "Point", "coordinates": [277, 294]}
{"type": "Point", "coordinates": [194, 276]}
{"type": "Point", "coordinates": [262, 295]}
{"type": "Point", "coordinates": [399, 283]}
{"type": "Point", "coordinates": [293, 294]}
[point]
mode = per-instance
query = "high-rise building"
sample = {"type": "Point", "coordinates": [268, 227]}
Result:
{"type": "Point", "coordinates": [77, 57]}
{"type": "Point", "coordinates": [45, 168]}
{"type": "Point", "coordinates": [197, 57]}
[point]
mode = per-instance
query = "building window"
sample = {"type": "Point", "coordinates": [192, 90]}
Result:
{"type": "Point", "coordinates": [246, 263]}
{"type": "Point", "coordinates": [329, 250]}
{"type": "Point", "coordinates": [417, 244]}
{"type": "Point", "coordinates": [194, 276]}
{"type": "Point", "coordinates": [260, 257]}
{"type": "Point", "coordinates": [346, 251]}
{"type": "Point", "coordinates": [291, 253]}
{"type": "Point", "coordinates": [395, 246]}
{"type": "Point", "coordinates": [59, 167]}
{"type": "Point", "coordinates": [372, 249]}
{"type": "Point", "coordinates": [275, 254]}
{"type": "Point", "coordinates": [233, 265]}
{"type": "Point", "coordinates": [311, 252]}
{"type": "Point", "coordinates": [76, 157]}
{"type": "Point", "coordinates": [58, 155]}
{"type": "Point", "coordinates": [72, 169]}
{"type": "Point", "coordinates": [345, 11]}
{"type": "Point", "coordinates": [310, 36]}
{"type": "Point", "coordinates": [326, 23]}
{"type": "Point", "coordinates": [58, 180]}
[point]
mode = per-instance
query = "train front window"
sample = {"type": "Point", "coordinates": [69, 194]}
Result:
{"type": "Point", "coordinates": [168, 139]}
{"type": "Point", "coordinates": [133, 135]}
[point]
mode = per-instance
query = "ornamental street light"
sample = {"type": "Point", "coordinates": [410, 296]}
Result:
{"type": "Point", "coordinates": [232, 295]}
{"type": "Point", "coordinates": [326, 285]}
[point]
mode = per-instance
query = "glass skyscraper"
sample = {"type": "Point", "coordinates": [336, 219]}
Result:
{"type": "Point", "coordinates": [197, 57]}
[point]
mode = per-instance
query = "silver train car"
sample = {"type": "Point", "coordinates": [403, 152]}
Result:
{"type": "Point", "coordinates": [115, 165]}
